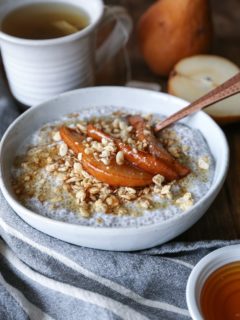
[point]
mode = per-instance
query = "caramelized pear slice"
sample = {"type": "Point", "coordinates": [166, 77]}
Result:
{"type": "Point", "coordinates": [114, 175]}
{"type": "Point", "coordinates": [140, 159]}
{"type": "Point", "coordinates": [155, 148]}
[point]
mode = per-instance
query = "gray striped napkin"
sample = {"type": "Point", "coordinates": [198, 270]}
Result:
{"type": "Point", "coordinates": [45, 278]}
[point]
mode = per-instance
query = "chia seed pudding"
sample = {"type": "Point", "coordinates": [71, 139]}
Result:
{"type": "Point", "coordinates": [52, 179]}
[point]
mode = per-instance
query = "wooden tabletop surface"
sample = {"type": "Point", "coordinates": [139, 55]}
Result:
{"type": "Point", "coordinates": [222, 220]}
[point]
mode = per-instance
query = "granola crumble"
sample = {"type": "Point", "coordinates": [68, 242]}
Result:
{"type": "Point", "coordinates": [52, 174]}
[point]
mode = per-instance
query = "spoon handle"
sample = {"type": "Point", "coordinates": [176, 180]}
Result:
{"type": "Point", "coordinates": [225, 90]}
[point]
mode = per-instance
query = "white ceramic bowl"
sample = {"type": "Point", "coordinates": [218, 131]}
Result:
{"type": "Point", "coordinates": [202, 271]}
{"type": "Point", "coordinates": [120, 239]}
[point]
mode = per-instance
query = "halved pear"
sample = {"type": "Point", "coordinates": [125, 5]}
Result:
{"type": "Point", "coordinates": [193, 77]}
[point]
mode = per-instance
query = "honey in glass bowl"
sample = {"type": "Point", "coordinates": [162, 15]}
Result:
{"type": "Point", "coordinates": [220, 296]}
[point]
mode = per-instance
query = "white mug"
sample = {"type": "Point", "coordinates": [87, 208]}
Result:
{"type": "Point", "coordinates": [37, 70]}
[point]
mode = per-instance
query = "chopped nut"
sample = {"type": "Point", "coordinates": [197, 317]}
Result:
{"type": "Point", "coordinates": [55, 200]}
{"type": "Point", "coordinates": [99, 220]}
{"type": "Point", "coordinates": [130, 140]}
{"type": "Point", "coordinates": [185, 202]}
{"type": "Point", "coordinates": [82, 127]}
{"type": "Point", "coordinates": [79, 156]}
{"type": "Point", "coordinates": [51, 167]}
{"type": "Point", "coordinates": [158, 179]}
{"type": "Point", "coordinates": [42, 181]}
{"type": "Point", "coordinates": [67, 164]}
{"type": "Point", "coordinates": [100, 206]}
{"type": "Point", "coordinates": [157, 189]}
{"type": "Point", "coordinates": [104, 141]}
{"type": "Point", "coordinates": [120, 158]}
{"type": "Point", "coordinates": [61, 177]}
{"type": "Point", "coordinates": [122, 125]}
{"type": "Point", "coordinates": [84, 212]}
{"type": "Point", "coordinates": [145, 204]}
{"type": "Point", "coordinates": [71, 180]}
{"type": "Point", "coordinates": [116, 123]}
{"type": "Point", "coordinates": [81, 195]}
{"type": "Point", "coordinates": [105, 161]}
{"type": "Point", "coordinates": [127, 193]}
{"type": "Point", "coordinates": [130, 190]}
{"type": "Point", "coordinates": [147, 117]}
{"type": "Point", "coordinates": [112, 201]}
{"type": "Point", "coordinates": [122, 211]}
{"type": "Point", "coordinates": [77, 167]}
{"type": "Point", "coordinates": [49, 160]}
{"type": "Point", "coordinates": [88, 151]}
{"type": "Point", "coordinates": [146, 132]}
{"type": "Point", "coordinates": [94, 190]}
{"type": "Point", "coordinates": [62, 169]}
{"type": "Point", "coordinates": [24, 165]}
{"type": "Point", "coordinates": [105, 153]}
{"type": "Point", "coordinates": [166, 191]}
{"type": "Point", "coordinates": [146, 190]}
{"type": "Point", "coordinates": [56, 136]}
{"type": "Point", "coordinates": [85, 174]}
{"type": "Point", "coordinates": [97, 146]}
{"type": "Point", "coordinates": [185, 148]}
{"type": "Point", "coordinates": [203, 163]}
{"type": "Point", "coordinates": [124, 135]}
{"type": "Point", "coordinates": [175, 151]}
{"type": "Point", "coordinates": [63, 149]}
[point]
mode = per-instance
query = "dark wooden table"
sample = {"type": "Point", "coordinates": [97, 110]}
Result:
{"type": "Point", "coordinates": [222, 220]}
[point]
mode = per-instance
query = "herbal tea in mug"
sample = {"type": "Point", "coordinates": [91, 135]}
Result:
{"type": "Point", "coordinates": [49, 47]}
{"type": "Point", "coordinates": [45, 21]}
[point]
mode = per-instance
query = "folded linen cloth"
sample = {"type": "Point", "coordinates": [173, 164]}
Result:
{"type": "Point", "coordinates": [45, 278]}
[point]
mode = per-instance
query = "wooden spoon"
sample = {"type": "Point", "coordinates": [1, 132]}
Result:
{"type": "Point", "coordinates": [225, 90]}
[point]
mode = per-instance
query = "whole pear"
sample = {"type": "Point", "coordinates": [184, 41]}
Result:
{"type": "Point", "coordinates": [174, 29]}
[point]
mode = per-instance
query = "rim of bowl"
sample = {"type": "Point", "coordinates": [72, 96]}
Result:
{"type": "Point", "coordinates": [217, 184]}
{"type": "Point", "coordinates": [203, 269]}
